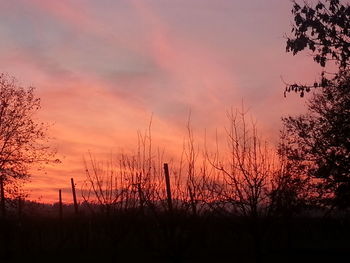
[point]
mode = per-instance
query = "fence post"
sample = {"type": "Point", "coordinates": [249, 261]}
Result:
{"type": "Point", "coordinates": [168, 190]}
{"type": "Point", "coordinates": [19, 207]}
{"type": "Point", "coordinates": [74, 196]}
{"type": "Point", "coordinates": [2, 196]}
{"type": "Point", "coordinates": [60, 204]}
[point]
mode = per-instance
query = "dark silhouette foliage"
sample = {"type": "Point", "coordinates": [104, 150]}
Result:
{"type": "Point", "coordinates": [317, 143]}
{"type": "Point", "coordinates": [133, 236]}
{"type": "Point", "coordinates": [323, 29]}
{"type": "Point", "coordinates": [23, 139]}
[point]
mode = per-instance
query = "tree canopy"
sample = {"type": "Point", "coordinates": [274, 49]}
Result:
{"type": "Point", "coordinates": [22, 137]}
{"type": "Point", "coordinates": [318, 142]}
{"type": "Point", "coordinates": [323, 29]}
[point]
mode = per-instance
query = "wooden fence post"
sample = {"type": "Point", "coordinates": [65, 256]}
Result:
{"type": "Point", "coordinates": [2, 196]}
{"type": "Point", "coordinates": [168, 189]}
{"type": "Point", "coordinates": [74, 196]}
{"type": "Point", "coordinates": [19, 207]}
{"type": "Point", "coordinates": [60, 204]}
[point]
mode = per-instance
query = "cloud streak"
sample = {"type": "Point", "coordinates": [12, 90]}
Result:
{"type": "Point", "coordinates": [102, 68]}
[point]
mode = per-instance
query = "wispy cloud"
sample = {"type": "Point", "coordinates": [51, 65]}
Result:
{"type": "Point", "coordinates": [102, 68]}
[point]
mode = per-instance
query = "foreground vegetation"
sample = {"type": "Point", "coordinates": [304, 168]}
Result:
{"type": "Point", "coordinates": [132, 235]}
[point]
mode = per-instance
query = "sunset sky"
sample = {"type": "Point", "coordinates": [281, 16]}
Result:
{"type": "Point", "coordinates": [103, 68]}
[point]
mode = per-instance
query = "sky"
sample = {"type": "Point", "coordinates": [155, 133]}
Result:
{"type": "Point", "coordinates": [104, 68]}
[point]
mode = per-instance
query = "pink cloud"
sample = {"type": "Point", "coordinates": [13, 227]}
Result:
{"type": "Point", "coordinates": [102, 86]}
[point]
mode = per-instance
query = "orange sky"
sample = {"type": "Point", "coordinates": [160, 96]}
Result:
{"type": "Point", "coordinates": [103, 68]}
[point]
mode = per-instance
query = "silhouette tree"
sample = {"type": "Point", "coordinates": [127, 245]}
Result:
{"type": "Point", "coordinates": [289, 193]}
{"type": "Point", "coordinates": [323, 29]}
{"type": "Point", "coordinates": [317, 143]}
{"type": "Point", "coordinates": [22, 138]}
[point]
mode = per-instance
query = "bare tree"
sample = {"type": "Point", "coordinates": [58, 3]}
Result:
{"type": "Point", "coordinates": [247, 170]}
{"type": "Point", "coordinates": [23, 139]}
{"type": "Point", "coordinates": [126, 181]}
